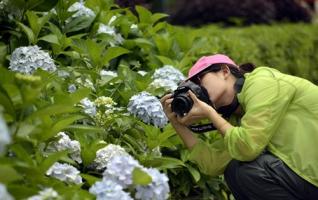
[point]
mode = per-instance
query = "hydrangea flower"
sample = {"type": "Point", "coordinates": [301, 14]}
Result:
{"type": "Point", "coordinates": [104, 155]}
{"type": "Point", "coordinates": [65, 143]}
{"type": "Point", "coordinates": [109, 190]}
{"type": "Point", "coordinates": [65, 173]}
{"type": "Point", "coordinates": [80, 11]}
{"type": "Point", "coordinates": [142, 73]}
{"type": "Point", "coordinates": [168, 72]}
{"type": "Point", "coordinates": [119, 169]}
{"type": "Point", "coordinates": [110, 30]}
{"type": "Point", "coordinates": [158, 189]}
{"type": "Point", "coordinates": [5, 136]}
{"type": "Point", "coordinates": [27, 59]}
{"type": "Point", "coordinates": [166, 84]}
{"type": "Point", "coordinates": [72, 88]}
{"type": "Point", "coordinates": [108, 73]}
{"type": "Point", "coordinates": [147, 108]}
{"type": "Point", "coordinates": [46, 194]}
{"type": "Point", "coordinates": [4, 195]}
{"type": "Point", "coordinates": [89, 107]}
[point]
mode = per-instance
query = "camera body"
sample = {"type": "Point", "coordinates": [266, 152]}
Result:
{"type": "Point", "coordinates": [182, 103]}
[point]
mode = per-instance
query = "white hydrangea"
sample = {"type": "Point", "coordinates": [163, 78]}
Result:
{"type": "Point", "coordinates": [142, 73]}
{"type": "Point", "coordinates": [134, 28]}
{"type": "Point", "coordinates": [158, 189]}
{"type": "Point", "coordinates": [63, 73]}
{"type": "Point", "coordinates": [46, 194]}
{"type": "Point", "coordinates": [65, 173]}
{"type": "Point", "coordinates": [104, 155]}
{"type": "Point", "coordinates": [4, 194]}
{"type": "Point", "coordinates": [109, 190]}
{"type": "Point", "coordinates": [166, 84]}
{"type": "Point", "coordinates": [5, 136]}
{"type": "Point", "coordinates": [119, 169]}
{"type": "Point", "coordinates": [110, 30]}
{"type": "Point", "coordinates": [65, 143]}
{"type": "Point", "coordinates": [80, 10]}
{"type": "Point", "coordinates": [27, 59]}
{"type": "Point", "coordinates": [89, 107]}
{"type": "Point", "coordinates": [147, 108]}
{"type": "Point", "coordinates": [108, 73]}
{"type": "Point", "coordinates": [168, 72]}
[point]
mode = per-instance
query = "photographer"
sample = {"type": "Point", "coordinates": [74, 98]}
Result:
{"type": "Point", "coordinates": [271, 152]}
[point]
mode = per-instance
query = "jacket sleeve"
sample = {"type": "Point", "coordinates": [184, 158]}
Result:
{"type": "Point", "coordinates": [265, 100]}
{"type": "Point", "coordinates": [210, 158]}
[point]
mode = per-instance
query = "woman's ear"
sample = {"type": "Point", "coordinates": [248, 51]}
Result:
{"type": "Point", "coordinates": [225, 71]}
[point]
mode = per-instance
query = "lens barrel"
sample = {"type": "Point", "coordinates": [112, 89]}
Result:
{"type": "Point", "coordinates": [181, 104]}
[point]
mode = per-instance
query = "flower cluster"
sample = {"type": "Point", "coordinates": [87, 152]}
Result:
{"type": "Point", "coordinates": [110, 30]}
{"type": "Point", "coordinates": [108, 73]}
{"type": "Point", "coordinates": [158, 189]}
{"type": "Point", "coordinates": [120, 169]}
{"type": "Point", "coordinates": [80, 10]}
{"type": "Point", "coordinates": [89, 107]}
{"type": "Point", "coordinates": [4, 193]}
{"type": "Point", "coordinates": [46, 194]}
{"type": "Point", "coordinates": [65, 143]}
{"type": "Point", "coordinates": [168, 72]}
{"type": "Point", "coordinates": [107, 189]}
{"type": "Point", "coordinates": [118, 177]}
{"type": "Point", "coordinates": [5, 136]}
{"type": "Point", "coordinates": [165, 84]}
{"type": "Point", "coordinates": [65, 172]}
{"type": "Point", "coordinates": [27, 59]}
{"type": "Point", "coordinates": [104, 155]}
{"type": "Point", "coordinates": [147, 108]}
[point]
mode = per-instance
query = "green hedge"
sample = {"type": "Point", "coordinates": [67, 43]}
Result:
{"type": "Point", "coordinates": [291, 48]}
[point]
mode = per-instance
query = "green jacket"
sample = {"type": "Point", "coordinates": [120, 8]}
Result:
{"type": "Point", "coordinates": [280, 114]}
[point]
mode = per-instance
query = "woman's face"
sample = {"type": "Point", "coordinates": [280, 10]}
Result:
{"type": "Point", "coordinates": [218, 85]}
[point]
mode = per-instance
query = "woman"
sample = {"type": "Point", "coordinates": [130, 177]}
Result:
{"type": "Point", "coordinates": [272, 152]}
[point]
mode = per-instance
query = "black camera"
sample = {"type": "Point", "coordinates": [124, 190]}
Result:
{"type": "Point", "coordinates": [182, 103]}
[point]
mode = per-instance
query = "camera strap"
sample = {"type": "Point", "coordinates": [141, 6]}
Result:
{"type": "Point", "coordinates": [226, 111]}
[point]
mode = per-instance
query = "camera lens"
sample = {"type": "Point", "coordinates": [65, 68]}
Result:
{"type": "Point", "coordinates": [181, 104]}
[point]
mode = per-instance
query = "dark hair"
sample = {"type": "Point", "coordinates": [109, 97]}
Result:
{"type": "Point", "coordinates": [237, 71]}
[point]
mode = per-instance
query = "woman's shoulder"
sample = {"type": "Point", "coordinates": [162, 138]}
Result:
{"type": "Point", "coordinates": [263, 71]}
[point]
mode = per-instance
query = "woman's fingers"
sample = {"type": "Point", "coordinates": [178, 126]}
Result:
{"type": "Point", "coordinates": [164, 98]}
{"type": "Point", "coordinates": [192, 95]}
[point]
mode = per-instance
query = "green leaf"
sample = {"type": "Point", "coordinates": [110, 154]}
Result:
{"type": "Point", "coordinates": [114, 52]}
{"type": "Point", "coordinates": [28, 32]}
{"type": "Point", "coordinates": [52, 110]}
{"type": "Point", "coordinates": [51, 38]}
{"type": "Point", "coordinates": [166, 60]}
{"type": "Point", "coordinates": [84, 128]}
{"type": "Point", "coordinates": [51, 159]}
{"type": "Point", "coordinates": [143, 14]}
{"type": "Point", "coordinates": [195, 173]}
{"type": "Point", "coordinates": [90, 179]}
{"type": "Point", "coordinates": [157, 16]}
{"type": "Point", "coordinates": [42, 5]}
{"type": "Point", "coordinates": [78, 23]}
{"type": "Point", "coordinates": [140, 177]}
{"type": "Point", "coordinates": [164, 163]}
{"type": "Point", "coordinates": [8, 174]}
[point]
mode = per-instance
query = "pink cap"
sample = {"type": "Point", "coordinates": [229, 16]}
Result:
{"type": "Point", "coordinates": [206, 61]}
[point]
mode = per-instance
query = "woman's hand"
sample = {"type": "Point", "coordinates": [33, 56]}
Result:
{"type": "Point", "coordinates": [199, 110]}
{"type": "Point", "coordinates": [166, 104]}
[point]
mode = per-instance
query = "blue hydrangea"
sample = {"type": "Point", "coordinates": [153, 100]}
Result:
{"type": "Point", "coordinates": [119, 169]}
{"type": "Point", "coordinates": [109, 190]}
{"type": "Point", "coordinates": [65, 172]}
{"type": "Point", "coordinates": [4, 195]}
{"type": "Point", "coordinates": [168, 72]}
{"type": "Point", "coordinates": [5, 136]}
{"type": "Point", "coordinates": [166, 84]}
{"type": "Point", "coordinates": [158, 189]}
{"type": "Point", "coordinates": [147, 108]}
{"type": "Point", "coordinates": [88, 106]}
{"type": "Point", "coordinates": [27, 59]}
